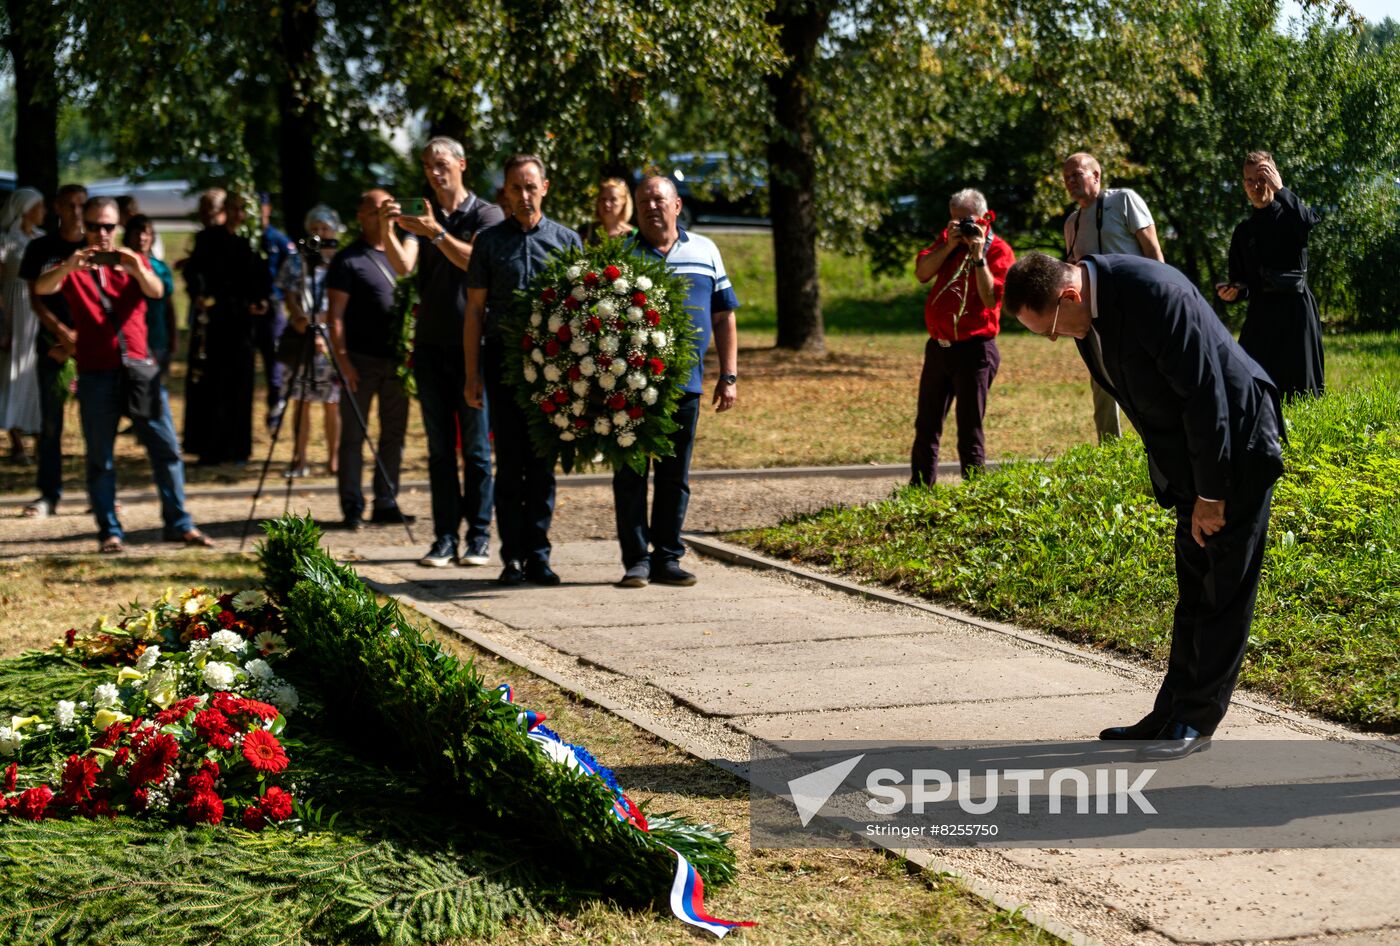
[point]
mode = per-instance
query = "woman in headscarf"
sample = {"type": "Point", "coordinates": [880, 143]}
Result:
{"type": "Point", "coordinates": [1269, 267]}
{"type": "Point", "coordinates": [19, 326]}
{"type": "Point", "coordinates": [313, 379]}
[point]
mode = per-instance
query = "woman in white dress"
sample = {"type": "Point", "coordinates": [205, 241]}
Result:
{"type": "Point", "coordinates": [19, 326]}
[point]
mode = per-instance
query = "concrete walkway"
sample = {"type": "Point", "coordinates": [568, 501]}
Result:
{"type": "Point", "coordinates": [765, 654]}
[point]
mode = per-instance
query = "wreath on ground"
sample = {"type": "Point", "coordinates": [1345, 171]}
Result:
{"type": "Point", "coordinates": [605, 349]}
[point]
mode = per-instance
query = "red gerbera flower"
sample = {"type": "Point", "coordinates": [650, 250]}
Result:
{"type": "Point", "coordinates": [612, 272]}
{"type": "Point", "coordinates": [214, 728]}
{"type": "Point", "coordinates": [277, 804]}
{"type": "Point", "coordinates": [253, 818]}
{"type": "Point", "coordinates": [121, 757]}
{"type": "Point", "coordinates": [79, 779]}
{"type": "Point", "coordinates": [263, 751]}
{"type": "Point", "coordinates": [177, 711]}
{"type": "Point", "coordinates": [206, 808]}
{"type": "Point", "coordinates": [31, 805]}
{"type": "Point", "coordinates": [263, 711]}
{"type": "Point", "coordinates": [226, 619]}
{"type": "Point", "coordinates": [155, 757]}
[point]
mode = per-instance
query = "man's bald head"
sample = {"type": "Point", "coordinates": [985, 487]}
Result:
{"type": "Point", "coordinates": [1083, 178]}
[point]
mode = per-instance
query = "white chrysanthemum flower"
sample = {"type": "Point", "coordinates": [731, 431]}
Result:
{"type": "Point", "coordinates": [635, 381]}
{"type": "Point", "coordinates": [650, 395]}
{"type": "Point", "coordinates": [578, 407]}
{"type": "Point", "coordinates": [626, 438]}
{"type": "Point", "coordinates": [602, 426]}
{"type": "Point", "coordinates": [606, 381]}
{"type": "Point", "coordinates": [249, 600]}
{"type": "Point", "coordinates": [536, 320]}
{"type": "Point", "coordinates": [531, 374]}
{"type": "Point", "coordinates": [285, 698]}
{"type": "Point", "coordinates": [551, 373]}
{"type": "Point", "coordinates": [579, 292]}
{"type": "Point", "coordinates": [579, 346]}
{"type": "Point", "coordinates": [621, 286]}
{"type": "Point", "coordinates": [659, 339]}
{"type": "Point", "coordinates": [555, 321]}
{"type": "Point", "coordinates": [606, 309]}
{"type": "Point", "coordinates": [609, 343]}
{"type": "Point", "coordinates": [105, 695]}
{"type": "Point", "coordinates": [566, 436]}
{"type": "Point", "coordinates": [537, 356]}
{"type": "Point", "coordinates": [148, 658]}
{"type": "Point", "coordinates": [259, 669]}
{"type": "Point", "coordinates": [219, 676]}
{"type": "Point", "coordinates": [575, 273]}
{"type": "Point", "coordinates": [580, 388]}
{"type": "Point", "coordinates": [634, 314]}
{"type": "Point", "coordinates": [228, 641]}
{"type": "Point", "coordinates": [586, 367]}
{"type": "Point", "coordinates": [620, 418]}
{"type": "Point", "coordinates": [64, 712]}
{"type": "Point", "coordinates": [560, 420]}
{"type": "Point", "coordinates": [644, 283]}
{"type": "Point", "coordinates": [9, 741]}
{"type": "Point", "coordinates": [618, 368]}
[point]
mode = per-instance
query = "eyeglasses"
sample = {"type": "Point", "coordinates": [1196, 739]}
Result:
{"type": "Point", "coordinates": [91, 227]}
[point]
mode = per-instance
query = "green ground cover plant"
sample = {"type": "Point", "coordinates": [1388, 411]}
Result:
{"type": "Point", "coordinates": [1079, 547]}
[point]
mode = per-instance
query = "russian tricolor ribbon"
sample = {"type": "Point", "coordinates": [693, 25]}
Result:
{"type": "Point", "coordinates": [688, 900]}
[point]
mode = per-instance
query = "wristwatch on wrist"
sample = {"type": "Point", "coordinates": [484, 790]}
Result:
{"type": "Point", "coordinates": [979, 263]}
{"type": "Point", "coordinates": [442, 235]}
{"type": "Point", "coordinates": [728, 378]}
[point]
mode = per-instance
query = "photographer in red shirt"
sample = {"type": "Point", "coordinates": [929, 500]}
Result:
{"type": "Point", "coordinates": [106, 288]}
{"type": "Point", "coordinates": [968, 265]}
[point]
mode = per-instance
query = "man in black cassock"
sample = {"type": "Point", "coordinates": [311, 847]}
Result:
{"type": "Point", "coordinates": [1209, 418]}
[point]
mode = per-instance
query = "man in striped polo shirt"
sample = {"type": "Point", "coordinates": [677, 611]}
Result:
{"type": "Point", "coordinates": [654, 554]}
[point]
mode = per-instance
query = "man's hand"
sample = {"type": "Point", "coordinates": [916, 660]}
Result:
{"type": "Point", "coordinates": [80, 260]}
{"type": "Point", "coordinates": [352, 377]}
{"type": "Point", "coordinates": [974, 244]}
{"type": "Point", "coordinates": [131, 262]}
{"type": "Point", "coordinates": [1228, 292]}
{"type": "Point", "coordinates": [473, 392]}
{"type": "Point", "coordinates": [425, 226]}
{"type": "Point", "coordinates": [59, 353]}
{"type": "Point", "coordinates": [1207, 518]}
{"type": "Point", "coordinates": [726, 396]}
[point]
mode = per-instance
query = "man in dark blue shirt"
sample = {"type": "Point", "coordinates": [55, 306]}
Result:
{"type": "Point", "coordinates": [268, 327]}
{"type": "Point", "coordinates": [506, 257]}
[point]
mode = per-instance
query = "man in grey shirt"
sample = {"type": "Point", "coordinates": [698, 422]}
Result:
{"type": "Point", "coordinates": [1114, 220]}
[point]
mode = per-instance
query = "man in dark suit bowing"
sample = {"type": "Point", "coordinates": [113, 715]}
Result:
{"type": "Point", "coordinates": [1209, 418]}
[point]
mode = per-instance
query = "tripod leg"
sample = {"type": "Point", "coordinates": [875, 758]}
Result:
{"type": "Point", "coordinates": [297, 372]}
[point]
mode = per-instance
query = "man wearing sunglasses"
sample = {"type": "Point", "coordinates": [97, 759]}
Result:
{"type": "Point", "coordinates": [1209, 418]}
{"type": "Point", "coordinates": [106, 288]}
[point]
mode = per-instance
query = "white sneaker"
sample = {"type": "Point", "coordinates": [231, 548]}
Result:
{"type": "Point", "coordinates": [478, 555]}
{"type": "Point", "coordinates": [441, 554]}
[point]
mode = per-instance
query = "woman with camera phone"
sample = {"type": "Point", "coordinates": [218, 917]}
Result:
{"type": "Point", "coordinates": [1269, 267]}
{"type": "Point", "coordinates": [311, 380]}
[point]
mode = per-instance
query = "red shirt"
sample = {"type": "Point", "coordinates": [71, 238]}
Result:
{"type": "Point", "coordinates": [97, 336]}
{"type": "Point", "coordinates": [954, 311]}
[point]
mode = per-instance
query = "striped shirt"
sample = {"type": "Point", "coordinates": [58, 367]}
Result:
{"type": "Point", "coordinates": [697, 259]}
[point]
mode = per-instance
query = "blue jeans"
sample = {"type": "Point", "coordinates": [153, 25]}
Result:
{"type": "Point", "coordinates": [100, 407]}
{"type": "Point", "coordinates": [50, 430]}
{"type": "Point", "coordinates": [671, 497]}
{"type": "Point", "coordinates": [524, 480]}
{"type": "Point", "coordinates": [442, 380]}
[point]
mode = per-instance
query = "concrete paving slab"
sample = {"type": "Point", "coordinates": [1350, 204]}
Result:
{"type": "Point", "coordinates": [744, 694]}
{"type": "Point", "coordinates": [1260, 896]}
{"type": "Point", "coordinates": [568, 607]}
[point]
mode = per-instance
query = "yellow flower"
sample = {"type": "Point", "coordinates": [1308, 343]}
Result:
{"type": "Point", "coordinates": [106, 717]}
{"type": "Point", "coordinates": [128, 674]}
{"type": "Point", "coordinates": [19, 722]}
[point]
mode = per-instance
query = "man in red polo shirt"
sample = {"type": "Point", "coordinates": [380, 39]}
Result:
{"type": "Point", "coordinates": [968, 265]}
{"type": "Point", "coordinates": [107, 301]}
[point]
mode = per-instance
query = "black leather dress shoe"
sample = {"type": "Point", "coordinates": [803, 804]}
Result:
{"type": "Point", "coordinates": [539, 573]}
{"type": "Point", "coordinates": [512, 574]}
{"type": "Point", "coordinates": [1176, 741]}
{"type": "Point", "coordinates": [392, 515]}
{"type": "Point", "coordinates": [1146, 728]}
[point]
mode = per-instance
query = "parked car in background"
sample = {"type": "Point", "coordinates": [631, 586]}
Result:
{"type": "Point", "coordinates": [165, 201]}
{"type": "Point", "coordinates": [713, 191]}
{"type": "Point", "coordinates": [7, 185]}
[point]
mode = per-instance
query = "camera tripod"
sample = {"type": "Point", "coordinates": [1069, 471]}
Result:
{"type": "Point", "coordinates": [305, 368]}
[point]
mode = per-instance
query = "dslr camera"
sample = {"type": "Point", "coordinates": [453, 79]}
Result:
{"type": "Point", "coordinates": [967, 226]}
{"type": "Point", "coordinates": [314, 244]}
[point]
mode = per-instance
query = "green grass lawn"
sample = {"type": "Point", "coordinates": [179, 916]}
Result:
{"type": "Point", "coordinates": [1079, 547]}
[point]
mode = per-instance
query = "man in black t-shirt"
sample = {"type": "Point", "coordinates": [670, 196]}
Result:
{"type": "Point", "coordinates": [57, 341]}
{"type": "Point", "coordinates": [439, 247]}
{"type": "Point", "coordinates": [360, 289]}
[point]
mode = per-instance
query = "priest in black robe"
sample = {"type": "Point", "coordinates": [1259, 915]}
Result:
{"type": "Point", "coordinates": [1269, 268]}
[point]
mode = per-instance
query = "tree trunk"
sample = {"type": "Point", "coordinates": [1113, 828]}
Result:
{"type": "Point", "coordinates": [32, 41]}
{"type": "Point", "coordinates": [792, 176]}
{"type": "Point", "coordinates": [297, 112]}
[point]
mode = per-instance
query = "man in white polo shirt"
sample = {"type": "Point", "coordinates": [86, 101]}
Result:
{"type": "Point", "coordinates": [1114, 220]}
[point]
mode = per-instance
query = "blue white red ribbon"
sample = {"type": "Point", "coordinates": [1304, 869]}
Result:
{"type": "Point", "coordinates": [688, 888]}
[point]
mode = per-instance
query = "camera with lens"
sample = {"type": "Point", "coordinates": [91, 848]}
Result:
{"type": "Point", "coordinates": [315, 244]}
{"type": "Point", "coordinates": [967, 227]}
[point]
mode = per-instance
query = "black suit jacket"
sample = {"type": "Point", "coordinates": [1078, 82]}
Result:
{"type": "Point", "coordinates": [1208, 414]}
